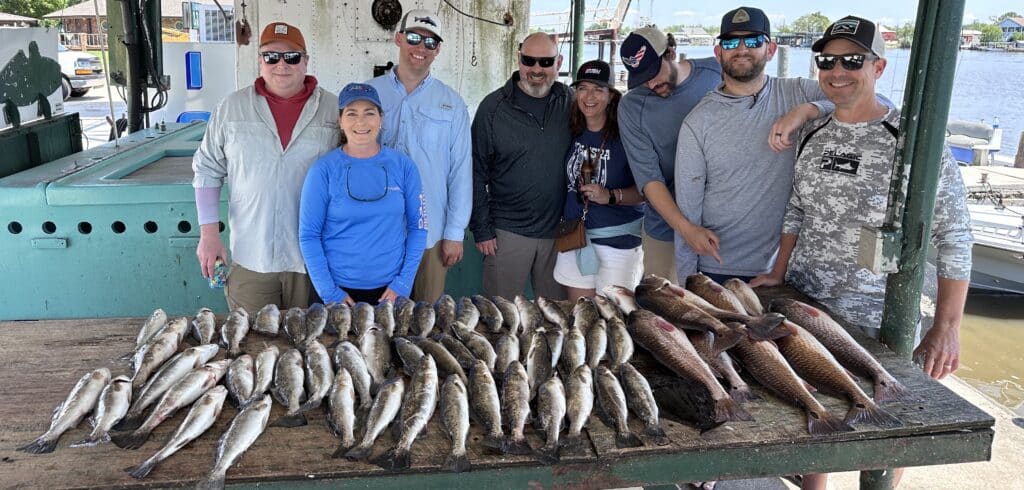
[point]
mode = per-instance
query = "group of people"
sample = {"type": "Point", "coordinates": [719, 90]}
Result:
{"type": "Point", "coordinates": [704, 165]}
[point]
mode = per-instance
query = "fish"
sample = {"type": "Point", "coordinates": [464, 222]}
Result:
{"type": "Point", "coordinates": [385, 407]}
{"type": "Point", "coordinates": [748, 298]}
{"type": "Point", "coordinates": [556, 342]}
{"type": "Point", "coordinates": [290, 388]}
{"type": "Point", "coordinates": [721, 365]}
{"type": "Point", "coordinates": [574, 350]}
{"type": "Point", "coordinates": [490, 315]}
{"type": "Point", "coordinates": [455, 421]}
{"type": "Point", "coordinates": [506, 350]}
{"type": "Point", "coordinates": [467, 316]}
{"type": "Point", "coordinates": [553, 313]}
{"type": "Point", "coordinates": [446, 313]}
{"type": "Point", "coordinates": [268, 320]}
{"type": "Point", "coordinates": [169, 374]}
{"type": "Point", "coordinates": [362, 318]}
{"type": "Point", "coordinates": [339, 320]}
{"type": "Point", "coordinates": [483, 399]}
{"type": "Point", "coordinates": [538, 360]}
{"type": "Point", "coordinates": [622, 298]}
{"type": "Point", "coordinates": [417, 408]}
{"type": "Point", "coordinates": [842, 345]}
{"type": "Point", "coordinates": [585, 314]}
{"type": "Point", "coordinates": [347, 357]}
{"type": "Point", "coordinates": [611, 403]}
{"type": "Point", "coordinates": [245, 428]}
{"type": "Point", "coordinates": [341, 416]}
{"type": "Point", "coordinates": [150, 327]}
{"type": "Point", "coordinates": [234, 330]}
{"type": "Point", "coordinates": [762, 359]}
{"type": "Point", "coordinates": [112, 406]}
{"type": "Point", "coordinates": [204, 326]}
{"type": "Point", "coordinates": [405, 317]}
{"type": "Point", "coordinates": [295, 325]}
{"type": "Point", "coordinates": [457, 349]}
{"type": "Point", "coordinates": [187, 390]}
{"type": "Point", "coordinates": [814, 363]}
{"type": "Point", "coordinates": [263, 369]}
{"type": "Point", "coordinates": [509, 314]}
{"type": "Point", "coordinates": [447, 364]}
{"type": "Point", "coordinates": [620, 342]}
{"type": "Point", "coordinates": [606, 308]}
{"type": "Point", "coordinates": [515, 408]}
{"type": "Point", "coordinates": [424, 317]}
{"type": "Point", "coordinates": [714, 293]}
{"type": "Point", "coordinates": [79, 403]}
{"type": "Point", "coordinates": [384, 316]}
{"type": "Point", "coordinates": [686, 315]}
{"type": "Point", "coordinates": [240, 380]}
{"type": "Point", "coordinates": [316, 322]}
{"type": "Point", "coordinates": [200, 418]}
{"type": "Point", "coordinates": [480, 347]}
{"type": "Point", "coordinates": [640, 399]}
{"type": "Point", "coordinates": [409, 353]}
{"type": "Point", "coordinates": [550, 416]}
{"type": "Point", "coordinates": [579, 403]}
{"type": "Point", "coordinates": [160, 350]}
{"type": "Point", "coordinates": [319, 375]}
{"type": "Point", "coordinates": [175, 330]}
{"type": "Point", "coordinates": [596, 343]}
{"type": "Point", "coordinates": [530, 317]}
{"type": "Point", "coordinates": [671, 348]}
{"type": "Point", "coordinates": [376, 349]}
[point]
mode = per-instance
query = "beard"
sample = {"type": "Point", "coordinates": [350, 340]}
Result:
{"type": "Point", "coordinates": [536, 88]}
{"type": "Point", "coordinates": [664, 89]}
{"type": "Point", "coordinates": [744, 75]}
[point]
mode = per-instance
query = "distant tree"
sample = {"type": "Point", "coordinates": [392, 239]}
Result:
{"type": "Point", "coordinates": [1018, 36]}
{"type": "Point", "coordinates": [712, 30]}
{"type": "Point", "coordinates": [991, 33]}
{"type": "Point", "coordinates": [813, 22]}
{"type": "Point", "coordinates": [33, 8]}
{"type": "Point", "coordinates": [905, 33]}
{"type": "Point", "coordinates": [1006, 16]}
{"type": "Point", "coordinates": [597, 25]}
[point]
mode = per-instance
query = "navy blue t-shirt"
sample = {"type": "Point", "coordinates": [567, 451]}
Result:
{"type": "Point", "coordinates": [610, 170]}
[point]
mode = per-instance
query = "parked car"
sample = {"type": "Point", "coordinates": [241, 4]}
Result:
{"type": "Point", "coordinates": [80, 71]}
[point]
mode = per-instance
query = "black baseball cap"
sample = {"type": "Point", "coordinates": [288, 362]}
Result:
{"type": "Point", "coordinates": [860, 31]}
{"type": "Point", "coordinates": [749, 19]}
{"type": "Point", "coordinates": [594, 71]}
{"type": "Point", "coordinates": [641, 54]}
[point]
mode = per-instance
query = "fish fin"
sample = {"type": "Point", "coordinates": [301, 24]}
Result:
{"type": "Point", "coordinates": [92, 440]}
{"type": "Point", "coordinates": [658, 433]}
{"type": "Point", "coordinates": [130, 422]}
{"type": "Point", "coordinates": [743, 393]}
{"type": "Point", "coordinates": [627, 438]}
{"type": "Point", "coordinates": [341, 451]}
{"type": "Point", "coordinates": [769, 326]}
{"type": "Point", "coordinates": [727, 339]}
{"type": "Point", "coordinates": [572, 444]}
{"type": "Point", "coordinates": [456, 463]}
{"type": "Point", "coordinates": [872, 414]}
{"type": "Point", "coordinates": [820, 424]}
{"type": "Point", "coordinates": [493, 443]}
{"type": "Point", "coordinates": [547, 454]}
{"type": "Point", "coordinates": [512, 446]}
{"type": "Point", "coordinates": [728, 410]}
{"type": "Point", "coordinates": [213, 482]}
{"type": "Point", "coordinates": [394, 459]}
{"type": "Point", "coordinates": [809, 387]}
{"type": "Point", "coordinates": [358, 453]}
{"type": "Point", "coordinates": [130, 440]}
{"type": "Point", "coordinates": [39, 446]}
{"type": "Point", "coordinates": [890, 390]}
{"type": "Point", "coordinates": [141, 471]}
{"type": "Point", "coordinates": [297, 419]}
{"type": "Point", "coordinates": [310, 404]}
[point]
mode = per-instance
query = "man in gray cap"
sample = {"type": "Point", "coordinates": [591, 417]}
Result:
{"type": "Point", "coordinates": [662, 92]}
{"type": "Point", "coordinates": [427, 120]}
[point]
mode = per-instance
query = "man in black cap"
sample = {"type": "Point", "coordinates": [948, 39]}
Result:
{"type": "Point", "coordinates": [662, 92]}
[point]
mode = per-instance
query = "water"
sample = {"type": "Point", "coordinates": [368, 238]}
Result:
{"type": "Point", "coordinates": [992, 348]}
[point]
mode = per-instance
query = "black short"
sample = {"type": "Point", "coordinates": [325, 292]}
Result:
{"type": "Point", "coordinates": [365, 295]}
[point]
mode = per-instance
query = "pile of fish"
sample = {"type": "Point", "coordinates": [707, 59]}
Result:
{"type": "Point", "coordinates": [501, 363]}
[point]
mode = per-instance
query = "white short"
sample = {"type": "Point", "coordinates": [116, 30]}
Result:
{"type": "Point", "coordinates": [620, 267]}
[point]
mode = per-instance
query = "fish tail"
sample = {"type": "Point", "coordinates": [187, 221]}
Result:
{"type": "Point", "coordinates": [456, 463]}
{"type": "Point", "coordinates": [725, 339]}
{"type": "Point", "coordinates": [394, 459]}
{"type": "Point", "coordinates": [297, 419]}
{"type": "Point", "coordinates": [572, 443]}
{"type": "Point", "coordinates": [40, 446]}
{"type": "Point", "coordinates": [872, 414]}
{"type": "Point", "coordinates": [887, 389]}
{"type": "Point", "coordinates": [233, 353]}
{"type": "Point", "coordinates": [627, 438]}
{"type": "Point", "coordinates": [358, 453]}
{"type": "Point", "coordinates": [141, 471]}
{"type": "Point", "coordinates": [548, 454]}
{"type": "Point", "coordinates": [213, 482]}
{"type": "Point", "coordinates": [658, 433]}
{"type": "Point", "coordinates": [825, 423]}
{"type": "Point", "coordinates": [727, 409]}
{"type": "Point", "coordinates": [310, 404]}
{"type": "Point", "coordinates": [131, 440]}
{"type": "Point", "coordinates": [742, 393]}
{"type": "Point", "coordinates": [130, 422]}
{"type": "Point", "coordinates": [769, 326]}
{"type": "Point", "coordinates": [493, 442]}
{"type": "Point", "coordinates": [516, 446]}
{"type": "Point", "coordinates": [92, 440]}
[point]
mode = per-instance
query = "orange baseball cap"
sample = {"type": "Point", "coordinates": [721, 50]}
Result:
{"type": "Point", "coordinates": [279, 31]}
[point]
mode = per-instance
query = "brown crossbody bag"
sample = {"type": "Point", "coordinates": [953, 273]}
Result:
{"type": "Point", "coordinates": [572, 234]}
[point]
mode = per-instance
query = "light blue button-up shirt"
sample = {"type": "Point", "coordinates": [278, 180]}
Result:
{"type": "Point", "coordinates": [431, 126]}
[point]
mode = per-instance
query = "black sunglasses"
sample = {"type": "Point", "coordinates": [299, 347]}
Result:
{"type": "Point", "coordinates": [545, 62]}
{"type": "Point", "coordinates": [851, 62]}
{"type": "Point", "coordinates": [415, 38]}
{"type": "Point", "coordinates": [368, 193]}
{"type": "Point", "coordinates": [290, 57]}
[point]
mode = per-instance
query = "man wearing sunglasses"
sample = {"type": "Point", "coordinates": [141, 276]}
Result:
{"type": "Point", "coordinates": [731, 186]}
{"type": "Point", "coordinates": [520, 138]}
{"type": "Point", "coordinates": [662, 91]}
{"type": "Point", "coordinates": [429, 122]}
{"type": "Point", "coordinates": [263, 138]}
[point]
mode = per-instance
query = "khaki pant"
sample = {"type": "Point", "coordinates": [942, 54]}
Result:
{"type": "Point", "coordinates": [429, 283]}
{"type": "Point", "coordinates": [659, 257]}
{"type": "Point", "coordinates": [517, 259]}
{"type": "Point", "coordinates": [254, 290]}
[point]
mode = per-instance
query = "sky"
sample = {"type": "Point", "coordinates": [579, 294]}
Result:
{"type": "Point", "coordinates": [689, 12]}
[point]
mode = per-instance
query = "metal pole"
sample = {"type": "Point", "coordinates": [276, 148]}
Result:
{"type": "Point", "coordinates": [578, 13]}
{"type": "Point", "coordinates": [783, 66]}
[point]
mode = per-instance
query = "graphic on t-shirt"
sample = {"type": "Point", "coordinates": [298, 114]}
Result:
{"type": "Point", "coordinates": [580, 154]}
{"type": "Point", "coordinates": [844, 163]}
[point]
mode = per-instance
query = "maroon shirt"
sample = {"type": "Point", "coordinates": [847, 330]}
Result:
{"type": "Point", "coordinates": [286, 110]}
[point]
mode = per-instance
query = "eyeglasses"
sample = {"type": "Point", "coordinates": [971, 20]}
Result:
{"type": "Point", "coordinates": [851, 62]}
{"type": "Point", "coordinates": [368, 178]}
{"type": "Point", "coordinates": [415, 38]}
{"type": "Point", "coordinates": [751, 42]}
{"type": "Point", "coordinates": [545, 62]}
{"type": "Point", "coordinates": [290, 57]}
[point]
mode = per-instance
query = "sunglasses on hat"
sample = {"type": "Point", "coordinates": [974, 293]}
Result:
{"type": "Point", "coordinates": [415, 38]}
{"type": "Point", "coordinates": [851, 62]}
{"type": "Point", "coordinates": [290, 57]}
{"type": "Point", "coordinates": [545, 62]}
{"type": "Point", "coordinates": [751, 42]}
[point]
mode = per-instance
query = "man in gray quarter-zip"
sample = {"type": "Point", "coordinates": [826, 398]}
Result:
{"type": "Point", "coordinates": [520, 139]}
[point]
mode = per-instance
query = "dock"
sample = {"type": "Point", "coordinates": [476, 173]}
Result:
{"type": "Point", "coordinates": [990, 181]}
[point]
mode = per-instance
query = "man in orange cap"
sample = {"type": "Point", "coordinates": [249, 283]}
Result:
{"type": "Point", "coordinates": [262, 139]}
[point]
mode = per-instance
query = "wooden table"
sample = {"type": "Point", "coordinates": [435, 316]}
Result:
{"type": "Point", "coordinates": [42, 360]}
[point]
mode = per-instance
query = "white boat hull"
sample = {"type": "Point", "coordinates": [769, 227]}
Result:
{"type": "Point", "coordinates": [998, 253]}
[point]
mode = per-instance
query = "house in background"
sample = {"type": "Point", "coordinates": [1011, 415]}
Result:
{"type": "Point", "coordinates": [969, 38]}
{"type": "Point", "coordinates": [80, 30]}
{"type": "Point", "coordinates": [1011, 26]}
{"type": "Point", "coordinates": [11, 20]}
{"type": "Point", "coordinates": [693, 36]}
{"type": "Point", "coordinates": [889, 36]}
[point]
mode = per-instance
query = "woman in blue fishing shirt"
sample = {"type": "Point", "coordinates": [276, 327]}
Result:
{"type": "Point", "coordinates": [601, 183]}
{"type": "Point", "coordinates": [362, 215]}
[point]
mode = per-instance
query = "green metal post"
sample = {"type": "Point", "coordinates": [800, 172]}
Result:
{"type": "Point", "coordinates": [579, 11]}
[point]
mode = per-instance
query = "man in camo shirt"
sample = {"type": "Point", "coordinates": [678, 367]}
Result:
{"type": "Point", "coordinates": [845, 163]}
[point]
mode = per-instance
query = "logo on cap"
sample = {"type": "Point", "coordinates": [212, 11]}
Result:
{"type": "Point", "coordinates": [592, 71]}
{"type": "Point", "coordinates": [281, 29]}
{"type": "Point", "coordinates": [425, 20]}
{"type": "Point", "coordinates": [740, 17]}
{"type": "Point", "coordinates": [634, 61]}
{"type": "Point", "coordinates": [848, 26]}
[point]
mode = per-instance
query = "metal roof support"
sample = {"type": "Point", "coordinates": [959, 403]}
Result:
{"type": "Point", "coordinates": [579, 11]}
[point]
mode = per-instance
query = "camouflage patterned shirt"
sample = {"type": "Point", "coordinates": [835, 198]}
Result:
{"type": "Point", "coordinates": [841, 182]}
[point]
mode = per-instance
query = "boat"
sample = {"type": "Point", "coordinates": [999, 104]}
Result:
{"type": "Point", "coordinates": [998, 253]}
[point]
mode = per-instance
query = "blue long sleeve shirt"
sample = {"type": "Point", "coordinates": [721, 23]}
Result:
{"type": "Point", "coordinates": [431, 125]}
{"type": "Point", "coordinates": [362, 223]}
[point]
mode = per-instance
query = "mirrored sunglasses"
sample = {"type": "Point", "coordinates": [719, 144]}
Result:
{"type": "Point", "coordinates": [851, 62]}
{"type": "Point", "coordinates": [415, 38]}
{"type": "Point", "coordinates": [290, 57]}
{"type": "Point", "coordinates": [751, 42]}
{"type": "Point", "coordinates": [545, 62]}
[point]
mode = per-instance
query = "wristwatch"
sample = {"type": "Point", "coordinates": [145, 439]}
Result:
{"type": "Point", "coordinates": [611, 197]}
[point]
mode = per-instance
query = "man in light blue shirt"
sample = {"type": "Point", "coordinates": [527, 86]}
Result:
{"type": "Point", "coordinates": [427, 120]}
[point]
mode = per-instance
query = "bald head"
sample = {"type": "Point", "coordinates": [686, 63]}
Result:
{"type": "Point", "coordinates": [539, 63]}
{"type": "Point", "coordinates": [540, 40]}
